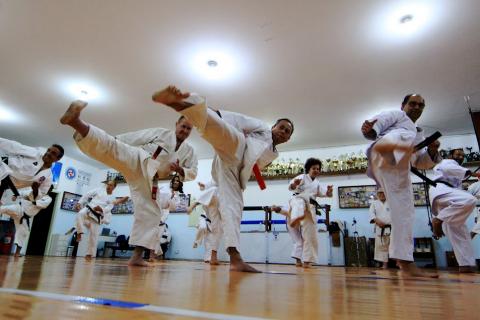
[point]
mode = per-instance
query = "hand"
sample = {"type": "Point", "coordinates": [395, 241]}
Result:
{"type": "Point", "coordinates": [98, 209]}
{"type": "Point", "coordinates": [330, 191]}
{"type": "Point", "coordinates": [201, 186]}
{"type": "Point", "coordinates": [276, 209]}
{"type": "Point", "coordinates": [476, 174]}
{"type": "Point", "coordinates": [297, 182]}
{"type": "Point", "coordinates": [367, 129]}
{"type": "Point", "coordinates": [433, 148]}
{"type": "Point", "coordinates": [175, 166]}
{"type": "Point", "coordinates": [379, 223]}
{"type": "Point", "coordinates": [77, 207]}
{"type": "Point", "coordinates": [14, 198]}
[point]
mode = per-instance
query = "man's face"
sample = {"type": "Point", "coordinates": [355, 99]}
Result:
{"type": "Point", "coordinates": [381, 196]}
{"type": "Point", "coordinates": [282, 132]}
{"type": "Point", "coordinates": [182, 129]}
{"type": "Point", "coordinates": [53, 154]}
{"type": "Point", "coordinates": [414, 107]}
{"type": "Point", "coordinates": [110, 187]}
{"type": "Point", "coordinates": [459, 156]}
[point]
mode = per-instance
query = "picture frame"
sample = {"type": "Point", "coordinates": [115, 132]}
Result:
{"type": "Point", "coordinates": [69, 200]}
{"type": "Point", "coordinates": [182, 201]}
{"type": "Point", "coordinates": [123, 208]}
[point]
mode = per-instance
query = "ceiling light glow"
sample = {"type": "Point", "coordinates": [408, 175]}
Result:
{"type": "Point", "coordinates": [8, 116]}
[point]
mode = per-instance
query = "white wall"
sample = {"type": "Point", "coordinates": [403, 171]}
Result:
{"type": "Point", "coordinates": [276, 193]}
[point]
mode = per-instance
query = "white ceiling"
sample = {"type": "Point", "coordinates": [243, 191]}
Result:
{"type": "Point", "coordinates": [327, 65]}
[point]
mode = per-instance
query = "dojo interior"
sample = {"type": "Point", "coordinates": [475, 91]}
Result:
{"type": "Point", "coordinates": [326, 65]}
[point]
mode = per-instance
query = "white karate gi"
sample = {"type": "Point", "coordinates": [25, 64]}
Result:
{"type": "Point", "coordinates": [167, 204]}
{"type": "Point", "coordinates": [474, 189]}
{"type": "Point", "coordinates": [304, 236]}
{"type": "Point", "coordinates": [209, 228]}
{"type": "Point", "coordinates": [380, 210]}
{"type": "Point", "coordinates": [239, 142]}
{"type": "Point", "coordinates": [391, 171]}
{"type": "Point", "coordinates": [139, 169]}
{"type": "Point", "coordinates": [85, 219]}
{"type": "Point", "coordinates": [24, 163]}
{"type": "Point", "coordinates": [453, 206]}
{"type": "Point", "coordinates": [24, 206]}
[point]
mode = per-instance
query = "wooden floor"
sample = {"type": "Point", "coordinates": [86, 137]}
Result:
{"type": "Point", "coordinates": [49, 288]}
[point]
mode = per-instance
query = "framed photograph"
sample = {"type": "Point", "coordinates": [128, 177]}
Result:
{"type": "Point", "coordinates": [356, 196]}
{"type": "Point", "coordinates": [419, 198]}
{"type": "Point", "coordinates": [182, 201]}
{"type": "Point", "coordinates": [123, 208]}
{"type": "Point", "coordinates": [69, 200]}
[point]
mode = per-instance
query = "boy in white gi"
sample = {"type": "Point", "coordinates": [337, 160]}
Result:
{"type": "Point", "coordinates": [474, 189]}
{"type": "Point", "coordinates": [390, 157]}
{"type": "Point", "coordinates": [209, 224]}
{"type": "Point", "coordinates": [380, 216]}
{"type": "Point", "coordinates": [22, 213]}
{"type": "Point", "coordinates": [241, 144]}
{"type": "Point", "coordinates": [452, 206]}
{"type": "Point", "coordinates": [25, 166]}
{"type": "Point", "coordinates": [141, 169]}
{"type": "Point", "coordinates": [94, 209]}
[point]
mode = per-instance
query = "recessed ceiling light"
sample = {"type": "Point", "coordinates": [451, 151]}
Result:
{"type": "Point", "coordinates": [212, 63]}
{"type": "Point", "coordinates": [406, 18]}
{"type": "Point", "coordinates": [81, 90]}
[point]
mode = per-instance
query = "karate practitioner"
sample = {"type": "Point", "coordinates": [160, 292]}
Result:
{"type": "Point", "coordinates": [302, 218]}
{"type": "Point", "coordinates": [22, 213]}
{"type": "Point", "coordinates": [474, 189]}
{"type": "Point", "coordinates": [209, 224]}
{"type": "Point", "coordinates": [94, 209]}
{"type": "Point", "coordinates": [241, 144]}
{"type": "Point", "coordinates": [26, 166]}
{"type": "Point", "coordinates": [452, 206]}
{"type": "Point", "coordinates": [380, 216]}
{"type": "Point", "coordinates": [141, 170]}
{"type": "Point", "coordinates": [390, 156]}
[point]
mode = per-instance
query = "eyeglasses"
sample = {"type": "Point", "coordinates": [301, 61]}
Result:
{"type": "Point", "coordinates": [414, 103]}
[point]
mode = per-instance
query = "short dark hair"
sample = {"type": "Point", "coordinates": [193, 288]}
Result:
{"type": "Point", "coordinates": [408, 96]}
{"type": "Point", "coordinates": [285, 119]}
{"type": "Point", "coordinates": [181, 118]}
{"type": "Point", "coordinates": [60, 148]}
{"type": "Point", "coordinates": [311, 162]}
{"type": "Point", "coordinates": [451, 152]}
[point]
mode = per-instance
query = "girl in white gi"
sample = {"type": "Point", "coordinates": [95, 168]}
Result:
{"type": "Point", "coordinates": [209, 224]}
{"type": "Point", "coordinates": [474, 189]}
{"type": "Point", "coordinates": [302, 218]}
{"type": "Point", "coordinates": [390, 157]}
{"type": "Point", "coordinates": [452, 206]}
{"type": "Point", "coordinates": [26, 166]}
{"type": "Point", "coordinates": [141, 169]}
{"type": "Point", "coordinates": [241, 144]}
{"type": "Point", "coordinates": [94, 209]}
{"type": "Point", "coordinates": [380, 216]}
{"type": "Point", "coordinates": [22, 213]}
{"type": "Point", "coordinates": [168, 199]}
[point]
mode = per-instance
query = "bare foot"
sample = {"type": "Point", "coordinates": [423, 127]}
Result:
{"type": "Point", "coordinates": [73, 112]}
{"type": "Point", "coordinates": [137, 262]}
{"type": "Point", "coordinates": [409, 269]}
{"type": "Point", "coordinates": [437, 227]}
{"type": "Point", "coordinates": [298, 263]}
{"type": "Point", "coordinates": [241, 266]}
{"type": "Point", "coordinates": [172, 97]}
{"type": "Point", "coordinates": [88, 257]}
{"type": "Point", "coordinates": [307, 265]}
{"type": "Point", "coordinates": [214, 262]}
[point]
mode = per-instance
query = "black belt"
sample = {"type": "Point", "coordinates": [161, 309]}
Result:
{"type": "Point", "coordinates": [162, 224]}
{"type": "Point", "coordinates": [97, 215]}
{"type": "Point", "coordinates": [25, 217]}
{"type": "Point", "coordinates": [389, 226]}
{"type": "Point", "coordinates": [206, 218]}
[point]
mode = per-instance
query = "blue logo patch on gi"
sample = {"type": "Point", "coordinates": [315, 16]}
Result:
{"type": "Point", "coordinates": [70, 173]}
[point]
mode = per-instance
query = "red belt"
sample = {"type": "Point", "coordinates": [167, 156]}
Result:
{"type": "Point", "coordinates": [258, 177]}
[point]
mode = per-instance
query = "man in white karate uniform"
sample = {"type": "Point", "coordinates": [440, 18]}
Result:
{"type": "Point", "coordinates": [474, 189]}
{"type": "Point", "coordinates": [241, 144]}
{"type": "Point", "coordinates": [380, 216]}
{"type": "Point", "coordinates": [452, 206]}
{"type": "Point", "coordinates": [94, 209]}
{"type": "Point", "coordinates": [390, 157]}
{"type": "Point", "coordinates": [141, 169]}
{"type": "Point", "coordinates": [22, 212]}
{"type": "Point", "coordinates": [209, 224]}
{"type": "Point", "coordinates": [25, 166]}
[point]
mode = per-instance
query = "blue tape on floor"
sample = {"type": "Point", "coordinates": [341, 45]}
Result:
{"type": "Point", "coordinates": [112, 303]}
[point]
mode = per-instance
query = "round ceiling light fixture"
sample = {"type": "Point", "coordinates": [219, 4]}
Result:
{"type": "Point", "coordinates": [406, 18]}
{"type": "Point", "coordinates": [212, 63]}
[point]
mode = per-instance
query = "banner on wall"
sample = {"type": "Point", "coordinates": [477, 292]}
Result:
{"type": "Point", "coordinates": [56, 171]}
